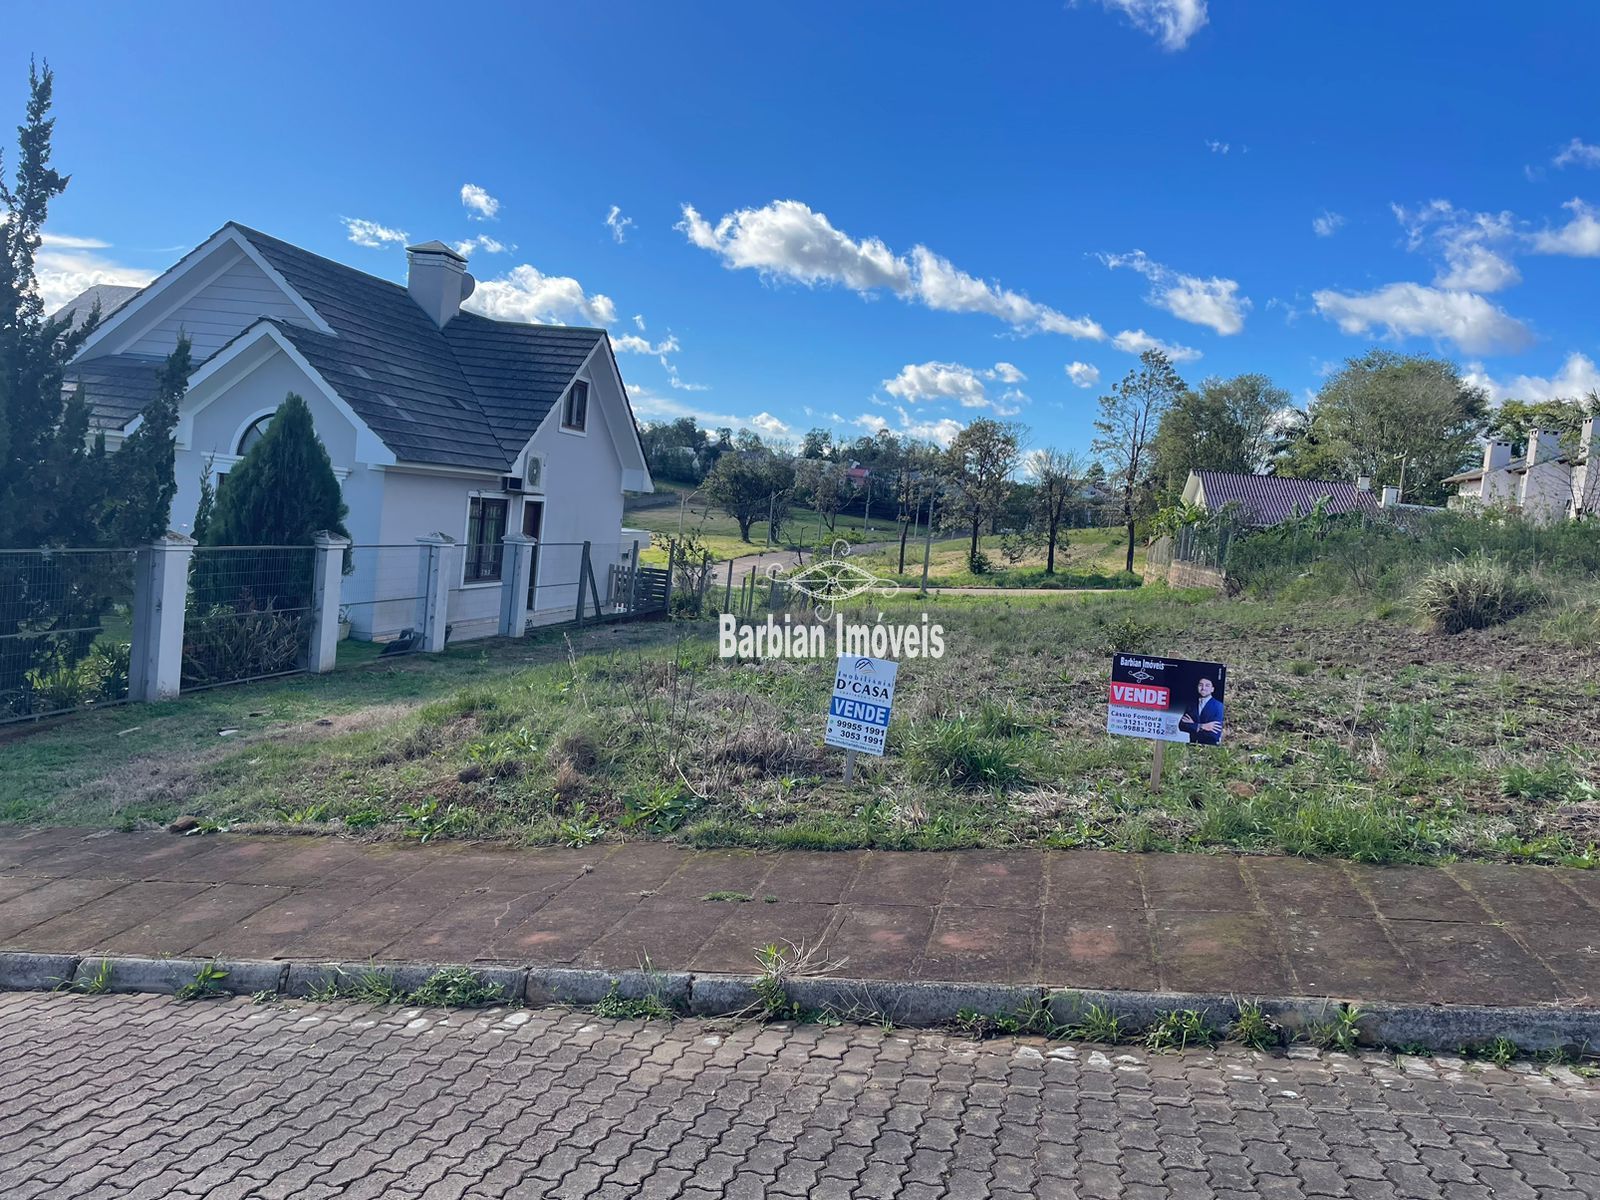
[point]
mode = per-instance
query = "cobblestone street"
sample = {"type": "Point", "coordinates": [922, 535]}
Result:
{"type": "Point", "coordinates": [142, 1096]}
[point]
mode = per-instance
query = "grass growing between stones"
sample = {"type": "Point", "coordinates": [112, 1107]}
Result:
{"type": "Point", "coordinates": [1349, 735]}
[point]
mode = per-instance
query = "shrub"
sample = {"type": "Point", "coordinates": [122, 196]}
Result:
{"type": "Point", "coordinates": [1474, 593]}
{"type": "Point", "coordinates": [978, 563]}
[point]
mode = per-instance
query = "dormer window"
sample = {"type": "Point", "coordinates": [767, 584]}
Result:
{"type": "Point", "coordinates": [256, 431]}
{"type": "Point", "coordinates": [575, 409]}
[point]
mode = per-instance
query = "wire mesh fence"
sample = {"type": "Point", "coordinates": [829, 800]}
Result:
{"type": "Point", "coordinates": [66, 628]}
{"type": "Point", "coordinates": [383, 597]}
{"type": "Point", "coordinates": [248, 614]}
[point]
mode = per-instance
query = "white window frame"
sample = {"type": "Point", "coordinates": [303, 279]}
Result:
{"type": "Point", "coordinates": [588, 402]}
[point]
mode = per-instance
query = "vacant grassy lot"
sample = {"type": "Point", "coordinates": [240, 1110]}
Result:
{"type": "Point", "coordinates": [719, 532]}
{"type": "Point", "coordinates": [1347, 735]}
{"type": "Point", "coordinates": [1090, 558]}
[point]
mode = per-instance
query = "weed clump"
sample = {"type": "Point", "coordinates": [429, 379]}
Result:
{"type": "Point", "coordinates": [1474, 593]}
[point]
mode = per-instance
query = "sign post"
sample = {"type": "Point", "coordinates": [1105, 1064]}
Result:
{"type": "Point", "coordinates": [858, 713]}
{"type": "Point", "coordinates": [1166, 700]}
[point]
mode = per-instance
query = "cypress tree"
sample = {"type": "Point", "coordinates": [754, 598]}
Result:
{"type": "Point", "coordinates": [283, 492]}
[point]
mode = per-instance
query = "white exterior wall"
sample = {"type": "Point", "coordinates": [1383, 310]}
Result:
{"type": "Point", "coordinates": [211, 427]}
{"type": "Point", "coordinates": [1546, 485]}
{"type": "Point", "coordinates": [217, 312]}
{"type": "Point", "coordinates": [582, 491]}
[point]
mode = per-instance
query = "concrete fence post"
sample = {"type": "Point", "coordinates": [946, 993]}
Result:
{"type": "Point", "coordinates": [515, 572]}
{"type": "Point", "coordinates": [437, 557]}
{"type": "Point", "coordinates": [326, 590]}
{"type": "Point", "coordinates": [633, 578]}
{"type": "Point", "coordinates": [160, 594]}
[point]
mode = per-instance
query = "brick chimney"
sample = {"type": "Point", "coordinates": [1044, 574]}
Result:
{"type": "Point", "coordinates": [437, 280]}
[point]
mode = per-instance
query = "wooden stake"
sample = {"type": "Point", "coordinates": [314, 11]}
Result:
{"type": "Point", "coordinates": [1155, 765]}
{"type": "Point", "coordinates": [849, 765]}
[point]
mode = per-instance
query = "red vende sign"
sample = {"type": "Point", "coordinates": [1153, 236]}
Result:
{"type": "Point", "coordinates": [1138, 695]}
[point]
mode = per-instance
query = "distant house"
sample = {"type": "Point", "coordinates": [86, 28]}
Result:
{"type": "Point", "coordinates": [1271, 499]}
{"type": "Point", "coordinates": [437, 420]}
{"type": "Point", "coordinates": [1547, 482]}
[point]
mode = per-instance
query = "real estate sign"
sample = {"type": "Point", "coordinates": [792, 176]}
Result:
{"type": "Point", "coordinates": [1166, 699]}
{"type": "Point", "coordinates": [863, 694]}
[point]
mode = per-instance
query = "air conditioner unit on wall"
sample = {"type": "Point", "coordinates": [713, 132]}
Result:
{"type": "Point", "coordinates": [511, 483]}
{"type": "Point", "coordinates": [533, 475]}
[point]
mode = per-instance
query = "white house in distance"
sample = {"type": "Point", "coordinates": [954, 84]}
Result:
{"type": "Point", "coordinates": [437, 420]}
{"type": "Point", "coordinates": [1546, 483]}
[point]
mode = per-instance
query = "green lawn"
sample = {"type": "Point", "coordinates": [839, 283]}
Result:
{"type": "Point", "coordinates": [1089, 558]}
{"type": "Point", "coordinates": [1348, 735]}
{"type": "Point", "coordinates": [719, 532]}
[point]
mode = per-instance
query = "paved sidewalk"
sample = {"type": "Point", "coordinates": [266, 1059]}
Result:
{"type": "Point", "coordinates": [144, 1097]}
{"type": "Point", "coordinates": [1462, 934]}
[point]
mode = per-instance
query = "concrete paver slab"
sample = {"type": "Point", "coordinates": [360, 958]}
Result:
{"type": "Point", "coordinates": [1219, 952]}
{"type": "Point", "coordinates": [1199, 883]}
{"type": "Point", "coordinates": [1300, 888]}
{"type": "Point", "coordinates": [1112, 950]}
{"type": "Point", "coordinates": [1333, 955]}
{"type": "Point", "coordinates": [94, 925]}
{"type": "Point", "coordinates": [199, 918]}
{"type": "Point", "coordinates": [1006, 879]}
{"type": "Point", "coordinates": [1475, 964]}
{"type": "Point", "coordinates": [899, 879]}
{"type": "Point", "coordinates": [1099, 880]}
{"type": "Point", "coordinates": [880, 941]}
{"type": "Point", "coordinates": [1528, 898]}
{"type": "Point", "coordinates": [985, 944]}
{"type": "Point", "coordinates": [1417, 894]}
{"type": "Point", "coordinates": [48, 900]}
{"type": "Point", "coordinates": [751, 926]}
{"type": "Point", "coordinates": [812, 876]}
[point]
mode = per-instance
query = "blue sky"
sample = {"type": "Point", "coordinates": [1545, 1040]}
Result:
{"type": "Point", "coordinates": [904, 213]}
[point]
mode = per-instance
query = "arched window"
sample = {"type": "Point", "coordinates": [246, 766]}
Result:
{"type": "Point", "coordinates": [252, 435]}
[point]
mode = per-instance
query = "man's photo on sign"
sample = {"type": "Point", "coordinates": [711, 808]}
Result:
{"type": "Point", "coordinates": [1202, 715]}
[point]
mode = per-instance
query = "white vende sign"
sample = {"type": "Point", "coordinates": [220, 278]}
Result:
{"type": "Point", "coordinates": [863, 694]}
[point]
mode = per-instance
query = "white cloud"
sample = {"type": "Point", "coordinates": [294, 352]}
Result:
{"type": "Point", "coordinates": [1579, 237]}
{"type": "Point", "coordinates": [952, 381]}
{"type": "Point", "coordinates": [1214, 303]}
{"type": "Point", "coordinates": [1467, 241]}
{"type": "Point", "coordinates": [632, 343]}
{"type": "Point", "coordinates": [618, 224]}
{"type": "Point", "coordinates": [63, 271]}
{"type": "Point", "coordinates": [652, 406]}
{"type": "Point", "coordinates": [1327, 224]}
{"type": "Point", "coordinates": [1217, 147]}
{"type": "Point", "coordinates": [1137, 341]}
{"type": "Point", "coordinates": [1578, 152]}
{"type": "Point", "coordinates": [674, 379]}
{"type": "Point", "coordinates": [942, 431]}
{"type": "Point", "coordinates": [67, 241]}
{"type": "Point", "coordinates": [526, 294]}
{"type": "Point", "coordinates": [479, 204]}
{"type": "Point", "coordinates": [373, 235]}
{"type": "Point", "coordinates": [768, 424]}
{"type": "Point", "coordinates": [1577, 378]}
{"type": "Point", "coordinates": [1410, 309]}
{"type": "Point", "coordinates": [1174, 22]}
{"type": "Point", "coordinates": [1083, 374]}
{"type": "Point", "coordinates": [788, 240]}
{"type": "Point", "coordinates": [482, 242]}
{"type": "Point", "coordinates": [638, 319]}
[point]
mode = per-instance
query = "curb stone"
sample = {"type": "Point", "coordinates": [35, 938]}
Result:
{"type": "Point", "coordinates": [24, 972]}
{"type": "Point", "coordinates": [576, 985]}
{"type": "Point", "coordinates": [167, 976]}
{"type": "Point", "coordinates": [1444, 1028]}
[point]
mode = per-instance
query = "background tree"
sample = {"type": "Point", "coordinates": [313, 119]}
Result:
{"type": "Point", "coordinates": [914, 481]}
{"type": "Point", "coordinates": [1127, 425]}
{"type": "Point", "coordinates": [748, 484]}
{"type": "Point", "coordinates": [1404, 420]}
{"type": "Point", "coordinates": [1515, 419]}
{"type": "Point", "coordinates": [1226, 425]}
{"type": "Point", "coordinates": [283, 492]}
{"type": "Point", "coordinates": [1058, 482]}
{"type": "Point", "coordinates": [980, 462]}
{"type": "Point", "coordinates": [825, 486]}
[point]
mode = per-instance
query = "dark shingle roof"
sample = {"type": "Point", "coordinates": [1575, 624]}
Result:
{"type": "Point", "coordinates": [1270, 499]}
{"type": "Point", "coordinates": [117, 386]}
{"type": "Point", "coordinates": [109, 296]}
{"type": "Point", "coordinates": [469, 395]}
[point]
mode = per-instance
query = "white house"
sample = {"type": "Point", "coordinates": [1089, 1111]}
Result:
{"type": "Point", "coordinates": [437, 420]}
{"type": "Point", "coordinates": [1546, 483]}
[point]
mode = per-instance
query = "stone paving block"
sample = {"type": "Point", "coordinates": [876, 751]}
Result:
{"type": "Point", "coordinates": [1199, 883]}
{"type": "Point", "coordinates": [1111, 949]}
{"type": "Point", "coordinates": [751, 926]}
{"type": "Point", "coordinates": [1416, 894]}
{"type": "Point", "coordinates": [1349, 958]}
{"type": "Point", "coordinates": [666, 932]}
{"type": "Point", "coordinates": [898, 879]}
{"type": "Point", "coordinates": [879, 941]}
{"type": "Point", "coordinates": [1525, 895]}
{"type": "Point", "coordinates": [196, 919]}
{"type": "Point", "coordinates": [811, 876]}
{"type": "Point", "coordinates": [48, 900]}
{"type": "Point", "coordinates": [1216, 951]}
{"type": "Point", "coordinates": [999, 945]}
{"type": "Point", "coordinates": [92, 926]}
{"type": "Point", "coordinates": [996, 879]}
{"type": "Point", "coordinates": [15, 885]}
{"type": "Point", "coordinates": [1100, 881]}
{"type": "Point", "coordinates": [1475, 964]}
{"type": "Point", "coordinates": [1295, 887]}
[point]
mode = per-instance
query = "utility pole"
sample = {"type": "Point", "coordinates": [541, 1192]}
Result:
{"type": "Point", "coordinates": [683, 504]}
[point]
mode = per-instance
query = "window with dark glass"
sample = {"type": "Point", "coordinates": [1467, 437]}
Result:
{"type": "Point", "coordinates": [253, 434]}
{"type": "Point", "coordinates": [576, 413]}
{"type": "Point", "coordinates": [486, 531]}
